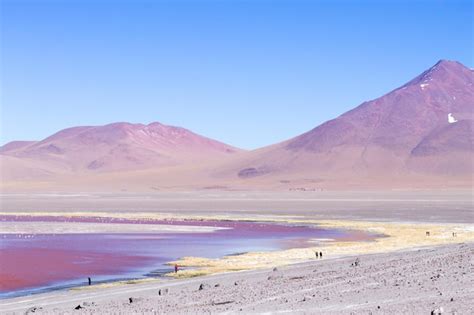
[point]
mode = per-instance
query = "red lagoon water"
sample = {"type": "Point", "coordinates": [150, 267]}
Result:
{"type": "Point", "coordinates": [39, 262]}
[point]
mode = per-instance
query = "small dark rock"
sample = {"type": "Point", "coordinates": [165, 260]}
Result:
{"type": "Point", "coordinates": [452, 299]}
{"type": "Point", "coordinates": [33, 309]}
{"type": "Point", "coordinates": [275, 269]}
{"type": "Point", "coordinates": [222, 303]}
{"type": "Point", "coordinates": [130, 300]}
{"type": "Point", "coordinates": [78, 307]}
{"type": "Point", "coordinates": [296, 278]}
{"type": "Point", "coordinates": [217, 285]}
{"type": "Point", "coordinates": [163, 291]}
{"type": "Point", "coordinates": [203, 286]}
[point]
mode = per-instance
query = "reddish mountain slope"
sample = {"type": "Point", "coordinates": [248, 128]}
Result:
{"type": "Point", "coordinates": [405, 132]}
{"type": "Point", "coordinates": [115, 147]}
{"type": "Point", "coordinates": [16, 145]}
{"type": "Point", "coordinates": [419, 135]}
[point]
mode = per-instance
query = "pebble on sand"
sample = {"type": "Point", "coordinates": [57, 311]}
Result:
{"type": "Point", "coordinates": [33, 309]}
{"type": "Point", "coordinates": [203, 286]}
{"type": "Point", "coordinates": [163, 291]}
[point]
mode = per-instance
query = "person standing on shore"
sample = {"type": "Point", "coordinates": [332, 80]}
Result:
{"type": "Point", "coordinates": [176, 268]}
{"type": "Point", "coordinates": [320, 254]}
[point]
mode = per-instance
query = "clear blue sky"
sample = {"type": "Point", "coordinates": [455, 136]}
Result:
{"type": "Point", "coordinates": [249, 73]}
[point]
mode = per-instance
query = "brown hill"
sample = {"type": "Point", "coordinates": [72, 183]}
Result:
{"type": "Point", "coordinates": [114, 147]}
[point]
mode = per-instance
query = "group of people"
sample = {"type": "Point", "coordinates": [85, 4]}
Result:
{"type": "Point", "coordinates": [427, 233]}
{"type": "Point", "coordinates": [318, 254]}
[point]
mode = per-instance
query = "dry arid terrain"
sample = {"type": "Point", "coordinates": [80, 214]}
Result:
{"type": "Point", "coordinates": [404, 272]}
{"type": "Point", "coordinates": [417, 281]}
{"type": "Point", "coordinates": [395, 205]}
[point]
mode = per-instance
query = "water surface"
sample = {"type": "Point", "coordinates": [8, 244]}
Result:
{"type": "Point", "coordinates": [31, 263]}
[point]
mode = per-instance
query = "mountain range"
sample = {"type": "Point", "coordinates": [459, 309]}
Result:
{"type": "Point", "coordinates": [420, 135]}
{"type": "Point", "coordinates": [113, 147]}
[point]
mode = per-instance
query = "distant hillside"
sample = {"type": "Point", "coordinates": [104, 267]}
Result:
{"type": "Point", "coordinates": [113, 147]}
{"type": "Point", "coordinates": [424, 129]}
{"type": "Point", "coordinates": [419, 135]}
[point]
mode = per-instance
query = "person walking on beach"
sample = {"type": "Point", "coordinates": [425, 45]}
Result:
{"type": "Point", "coordinates": [320, 254]}
{"type": "Point", "coordinates": [90, 280]}
{"type": "Point", "coordinates": [176, 268]}
{"type": "Point", "coordinates": [316, 254]}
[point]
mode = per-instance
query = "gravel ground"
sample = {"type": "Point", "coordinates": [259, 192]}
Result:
{"type": "Point", "coordinates": [417, 281]}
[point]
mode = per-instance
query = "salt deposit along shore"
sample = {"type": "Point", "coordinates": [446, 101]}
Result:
{"type": "Point", "coordinates": [393, 236]}
{"type": "Point", "coordinates": [415, 281]}
{"type": "Point", "coordinates": [403, 272]}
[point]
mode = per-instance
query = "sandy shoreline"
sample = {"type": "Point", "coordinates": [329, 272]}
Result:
{"type": "Point", "coordinates": [397, 236]}
{"type": "Point", "coordinates": [404, 222]}
{"type": "Point", "coordinates": [410, 281]}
